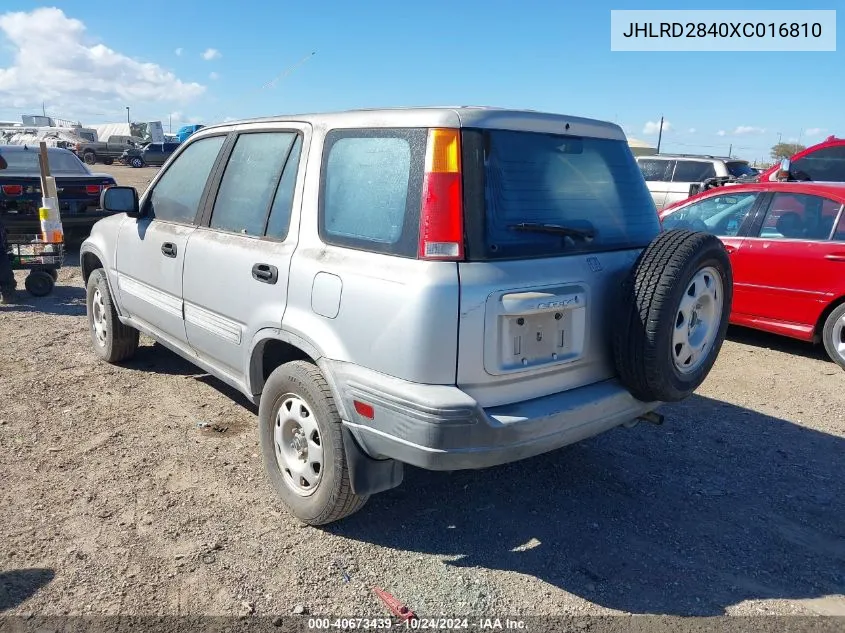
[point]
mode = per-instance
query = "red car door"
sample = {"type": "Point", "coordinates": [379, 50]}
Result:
{"type": "Point", "coordinates": [789, 269]}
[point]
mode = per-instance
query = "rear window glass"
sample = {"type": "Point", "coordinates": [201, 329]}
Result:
{"type": "Point", "coordinates": [515, 182]}
{"type": "Point", "coordinates": [655, 170]}
{"type": "Point", "coordinates": [26, 162]}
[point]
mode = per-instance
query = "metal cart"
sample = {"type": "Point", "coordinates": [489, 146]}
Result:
{"type": "Point", "coordinates": [42, 260]}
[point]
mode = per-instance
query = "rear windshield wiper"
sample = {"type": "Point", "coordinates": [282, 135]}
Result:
{"type": "Point", "coordinates": [556, 229]}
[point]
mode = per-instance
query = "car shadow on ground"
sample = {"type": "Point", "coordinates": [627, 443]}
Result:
{"type": "Point", "coordinates": [18, 585]}
{"type": "Point", "coordinates": [64, 300]}
{"type": "Point", "coordinates": [159, 359]}
{"type": "Point", "coordinates": [758, 338]}
{"type": "Point", "coordinates": [719, 505]}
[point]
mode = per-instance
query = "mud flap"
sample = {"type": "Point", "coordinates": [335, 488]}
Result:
{"type": "Point", "coordinates": [369, 476]}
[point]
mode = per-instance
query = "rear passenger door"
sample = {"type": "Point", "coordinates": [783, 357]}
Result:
{"type": "Point", "coordinates": [237, 262]}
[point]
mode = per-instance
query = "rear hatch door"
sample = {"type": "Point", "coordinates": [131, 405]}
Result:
{"type": "Point", "coordinates": [553, 223]}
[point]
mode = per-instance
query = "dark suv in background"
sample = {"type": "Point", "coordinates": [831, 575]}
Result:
{"type": "Point", "coordinates": [154, 154]}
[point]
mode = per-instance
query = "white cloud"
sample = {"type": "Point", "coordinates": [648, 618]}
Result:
{"type": "Point", "coordinates": [691, 130]}
{"type": "Point", "coordinates": [653, 127]}
{"type": "Point", "coordinates": [815, 131]}
{"type": "Point", "coordinates": [213, 75]}
{"type": "Point", "coordinates": [749, 129]}
{"type": "Point", "coordinates": [54, 61]}
{"type": "Point", "coordinates": [211, 53]}
{"type": "Point", "coordinates": [721, 132]}
{"type": "Point", "coordinates": [178, 51]}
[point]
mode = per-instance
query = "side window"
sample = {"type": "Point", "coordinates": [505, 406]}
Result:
{"type": "Point", "coordinates": [371, 189]}
{"type": "Point", "coordinates": [654, 169]}
{"type": "Point", "coordinates": [721, 215]}
{"type": "Point", "coordinates": [279, 222]}
{"type": "Point", "coordinates": [249, 182]}
{"type": "Point", "coordinates": [693, 171]}
{"type": "Point", "coordinates": [799, 216]}
{"type": "Point", "coordinates": [824, 165]}
{"type": "Point", "coordinates": [176, 196]}
{"type": "Point", "coordinates": [839, 234]}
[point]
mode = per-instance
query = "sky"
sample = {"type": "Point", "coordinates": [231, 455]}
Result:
{"type": "Point", "coordinates": [182, 61]}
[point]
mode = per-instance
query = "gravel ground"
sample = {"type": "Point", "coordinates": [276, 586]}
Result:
{"type": "Point", "coordinates": [115, 501]}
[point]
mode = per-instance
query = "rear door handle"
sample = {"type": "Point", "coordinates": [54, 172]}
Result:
{"type": "Point", "coordinates": [169, 249]}
{"type": "Point", "coordinates": [835, 257]}
{"type": "Point", "coordinates": [265, 273]}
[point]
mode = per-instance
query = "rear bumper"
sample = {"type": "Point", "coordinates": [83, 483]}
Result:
{"type": "Point", "coordinates": [441, 428]}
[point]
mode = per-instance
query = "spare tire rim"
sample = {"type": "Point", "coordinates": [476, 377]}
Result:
{"type": "Point", "coordinates": [697, 320]}
{"type": "Point", "coordinates": [838, 337]}
{"type": "Point", "coordinates": [298, 445]}
{"type": "Point", "coordinates": [98, 311]}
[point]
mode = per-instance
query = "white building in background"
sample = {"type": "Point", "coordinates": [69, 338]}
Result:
{"type": "Point", "coordinates": [641, 148]}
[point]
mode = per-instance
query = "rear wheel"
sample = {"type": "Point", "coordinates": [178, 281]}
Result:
{"type": "Point", "coordinates": [136, 162]}
{"type": "Point", "coordinates": [39, 283]}
{"type": "Point", "coordinates": [90, 158]}
{"type": "Point", "coordinates": [673, 316]}
{"type": "Point", "coordinates": [302, 445]}
{"type": "Point", "coordinates": [113, 341]}
{"type": "Point", "coordinates": [833, 335]}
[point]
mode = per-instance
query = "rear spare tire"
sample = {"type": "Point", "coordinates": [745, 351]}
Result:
{"type": "Point", "coordinates": [671, 322]}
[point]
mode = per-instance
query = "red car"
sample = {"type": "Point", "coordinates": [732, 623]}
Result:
{"type": "Point", "coordinates": [787, 247]}
{"type": "Point", "coordinates": [824, 162]}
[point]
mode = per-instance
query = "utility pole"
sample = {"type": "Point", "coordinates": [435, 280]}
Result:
{"type": "Point", "coordinates": [170, 124]}
{"type": "Point", "coordinates": [800, 134]}
{"type": "Point", "coordinates": [127, 114]}
{"type": "Point", "coordinates": [779, 135]}
{"type": "Point", "coordinates": [43, 109]}
{"type": "Point", "coordinates": [730, 149]}
{"type": "Point", "coordinates": [660, 135]}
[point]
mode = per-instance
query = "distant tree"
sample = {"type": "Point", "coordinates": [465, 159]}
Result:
{"type": "Point", "coordinates": [785, 150]}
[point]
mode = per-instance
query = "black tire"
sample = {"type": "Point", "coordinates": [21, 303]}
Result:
{"type": "Point", "coordinates": [331, 498]}
{"type": "Point", "coordinates": [39, 283]}
{"type": "Point", "coordinates": [90, 158]}
{"type": "Point", "coordinates": [108, 161]}
{"type": "Point", "coordinates": [650, 311]}
{"type": "Point", "coordinates": [833, 335]}
{"type": "Point", "coordinates": [136, 162]}
{"type": "Point", "coordinates": [119, 341]}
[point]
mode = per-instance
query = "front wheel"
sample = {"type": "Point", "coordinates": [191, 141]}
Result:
{"type": "Point", "coordinates": [673, 316]}
{"type": "Point", "coordinates": [833, 335]}
{"type": "Point", "coordinates": [108, 161]}
{"type": "Point", "coordinates": [302, 445]}
{"type": "Point", "coordinates": [136, 162]}
{"type": "Point", "coordinates": [113, 341]}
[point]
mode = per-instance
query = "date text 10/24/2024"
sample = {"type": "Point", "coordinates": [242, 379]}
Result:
{"type": "Point", "coordinates": [441, 624]}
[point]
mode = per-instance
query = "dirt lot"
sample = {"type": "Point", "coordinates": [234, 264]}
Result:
{"type": "Point", "coordinates": [114, 501]}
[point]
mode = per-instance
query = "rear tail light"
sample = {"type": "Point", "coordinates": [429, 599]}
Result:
{"type": "Point", "coordinates": [93, 190]}
{"type": "Point", "coordinates": [13, 190]}
{"type": "Point", "coordinates": [441, 213]}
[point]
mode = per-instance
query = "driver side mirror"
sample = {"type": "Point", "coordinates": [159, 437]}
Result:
{"type": "Point", "coordinates": [121, 200]}
{"type": "Point", "coordinates": [783, 172]}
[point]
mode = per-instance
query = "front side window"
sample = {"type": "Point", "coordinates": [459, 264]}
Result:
{"type": "Point", "coordinates": [176, 196]}
{"type": "Point", "coordinates": [799, 216]}
{"type": "Point", "coordinates": [693, 171]}
{"type": "Point", "coordinates": [721, 215]}
{"type": "Point", "coordinates": [250, 181]}
{"type": "Point", "coordinates": [740, 169]}
{"type": "Point", "coordinates": [824, 165]}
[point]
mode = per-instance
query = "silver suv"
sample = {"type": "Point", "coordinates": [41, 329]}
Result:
{"type": "Point", "coordinates": [672, 177]}
{"type": "Point", "coordinates": [451, 288]}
